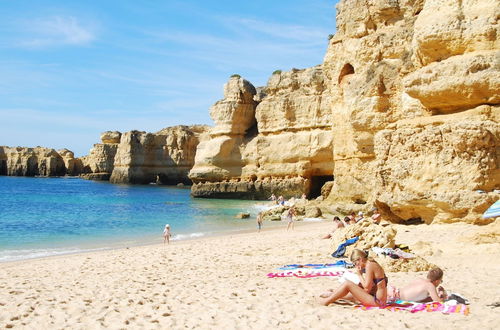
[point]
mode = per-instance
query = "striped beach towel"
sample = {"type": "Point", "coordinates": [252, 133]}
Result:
{"type": "Point", "coordinates": [413, 307]}
{"type": "Point", "coordinates": [308, 273]}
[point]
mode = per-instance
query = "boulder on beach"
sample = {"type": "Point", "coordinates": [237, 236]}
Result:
{"type": "Point", "coordinates": [373, 235]}
{"type": "Point", "coordinates": [417, 264]}
{"type": "Point", "coordinates": [369, 233]}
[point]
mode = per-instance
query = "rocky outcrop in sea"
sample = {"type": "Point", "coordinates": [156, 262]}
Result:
{"type": "Point", "coordinates": [164, 157]}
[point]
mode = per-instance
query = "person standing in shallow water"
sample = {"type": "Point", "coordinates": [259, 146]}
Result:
{"type": "Point", "coordinates": [289, 218]}
{"type": "Point", "coordinates": [259, 221]}
{"type": "Point", "coordinates": [166, 234]}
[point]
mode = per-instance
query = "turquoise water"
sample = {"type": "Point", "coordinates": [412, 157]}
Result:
{"type": "Point", "coordinates": [49, 216]}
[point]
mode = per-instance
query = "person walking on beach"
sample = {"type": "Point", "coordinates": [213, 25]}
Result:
{"type": "Point", "coordinates": [166, 234]}
{"type": "Point", "coordinates": [259, 221]}
{"type": "Point", "coordinates": [289, 217]}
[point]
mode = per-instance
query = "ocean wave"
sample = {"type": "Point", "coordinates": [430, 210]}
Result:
{"type": "Point", "coordinates": [264, 206]}
{"type": "Point", "coordinates": [15, 255]}
{"type": "Point", "coordinates": [180, 237]}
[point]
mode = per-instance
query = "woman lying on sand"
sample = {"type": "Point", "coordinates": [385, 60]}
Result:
{"type": "Point", "coordinates": [372, 289]}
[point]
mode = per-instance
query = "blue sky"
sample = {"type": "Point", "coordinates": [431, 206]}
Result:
{"type": "Point", "coordinates": [70, 70]}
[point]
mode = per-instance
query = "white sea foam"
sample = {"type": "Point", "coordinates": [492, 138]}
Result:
{"type": "Point", "coordinates": [14, 255]}
{"type": "Point", "coordinates": [313, 219]}
{"type": "Point", "coordinates": [180, 237]}
{"type": "Point", "coordinates": [264, 206]}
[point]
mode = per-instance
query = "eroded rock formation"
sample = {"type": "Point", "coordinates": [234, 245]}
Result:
{"type": "Point", "coordinates": [39, 161]}
{"type": "Point", "coordinates": [283, 146]}
{"type": "Point", "coordinates": [415, 94]}
{"type": "Point", "coordinates": [164, 157]}
{"type": "Point", "coordinates": [99, 163]}
{"type": "Point", "coordinates": [403, 114]}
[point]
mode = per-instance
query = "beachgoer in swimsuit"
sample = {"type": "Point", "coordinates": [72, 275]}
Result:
{"type": "Point", "coordinates": [289, 217]}
{"type": "Point", "coordinates": [352, 218]}
{"type": "Point", "coordinates": [376, 217]}
{"type": "Point", "coordinates": [372, 289]}
{"type": "Point", "coordinates": [337, 223]}
{"type": "Point", "coordinates": [259, 221]}
{"type": "Point", "coordinates": [421, 290]}
{"type": "Point", "coordinates": [166, 234]}
{"type": "Point", "coordinates": [273, 199]}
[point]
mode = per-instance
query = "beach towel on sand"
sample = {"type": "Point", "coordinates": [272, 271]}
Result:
{"type": "Point", "coordinates": [414, 307]}
{"type": "Point", "coordinates": [341, 263]}
{"type": "Point", "coordinates": [309, 273]}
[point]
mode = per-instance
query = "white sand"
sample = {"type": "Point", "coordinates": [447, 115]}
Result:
{"type": "Point", "coordinates": [221, 283]}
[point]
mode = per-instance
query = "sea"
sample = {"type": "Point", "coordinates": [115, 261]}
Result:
{"type": "Point", "coordinates": [42, 217]}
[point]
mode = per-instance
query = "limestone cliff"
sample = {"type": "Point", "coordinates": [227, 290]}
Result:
{"type": "Point", "coordinates": [99, 163]}
{"type": "Point", "coordinates": [285, 140]}
{"type": "Point", "coordinates": [164, 157]}
{"type": "Point", "coordinates": [415, 89]}
{"type": "Point", "coordinates": [402, 114]}
{"type": "Point", "coordinates": [39, 161]}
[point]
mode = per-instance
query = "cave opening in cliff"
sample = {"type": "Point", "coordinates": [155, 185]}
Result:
{"type": "Point", "coordinates": [347, 69]}
{"type": "Point", "coordinates": [252, 131]}
{"type": "Point", "coordinates": [317, 183]}
{"type": "Point", "coordinates": [3, 167]}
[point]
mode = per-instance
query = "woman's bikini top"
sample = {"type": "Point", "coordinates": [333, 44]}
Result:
{"type": "Point", "coordinates": [376, 281]}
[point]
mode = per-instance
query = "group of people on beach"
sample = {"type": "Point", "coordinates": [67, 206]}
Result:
{"type": "Point", "coordinates": [281, 200]}
{"type": "Point", "coordinates": [374, 289]}
{"type": "Point", "coordinates": [352, 219]}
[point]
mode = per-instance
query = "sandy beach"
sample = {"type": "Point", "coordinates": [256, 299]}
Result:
{"type": "Point", "coordinates": [221, 282]}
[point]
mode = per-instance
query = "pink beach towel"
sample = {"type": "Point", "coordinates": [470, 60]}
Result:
{"type": "Point", "coordinates": [305, 273]}
{"type": "Point", "coordinates": [413, 307]}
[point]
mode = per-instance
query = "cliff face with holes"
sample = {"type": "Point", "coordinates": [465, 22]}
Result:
{"type": "Point", "coordinates": [164, 157]}
{"type": "Point", "coordinates": [275, 140]}
{"type": "Point", "coordinates": [415, 90]}
{"type": "Point", "coordinates": [403, 113]}
{"type": "Point", "coordinates": [39, 161]}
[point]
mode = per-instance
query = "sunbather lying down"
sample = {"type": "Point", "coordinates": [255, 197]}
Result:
{"type": "Point", "coordinates": [420, 290]}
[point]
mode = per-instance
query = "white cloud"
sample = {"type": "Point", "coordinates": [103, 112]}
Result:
{"type": "Point", "coordinates": [57, 31]}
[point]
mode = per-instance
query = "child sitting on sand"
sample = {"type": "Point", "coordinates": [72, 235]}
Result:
{"type": "Point", "coordinates": [372, 289]}
{"type": "Point", "coordinates": [421, 290]}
